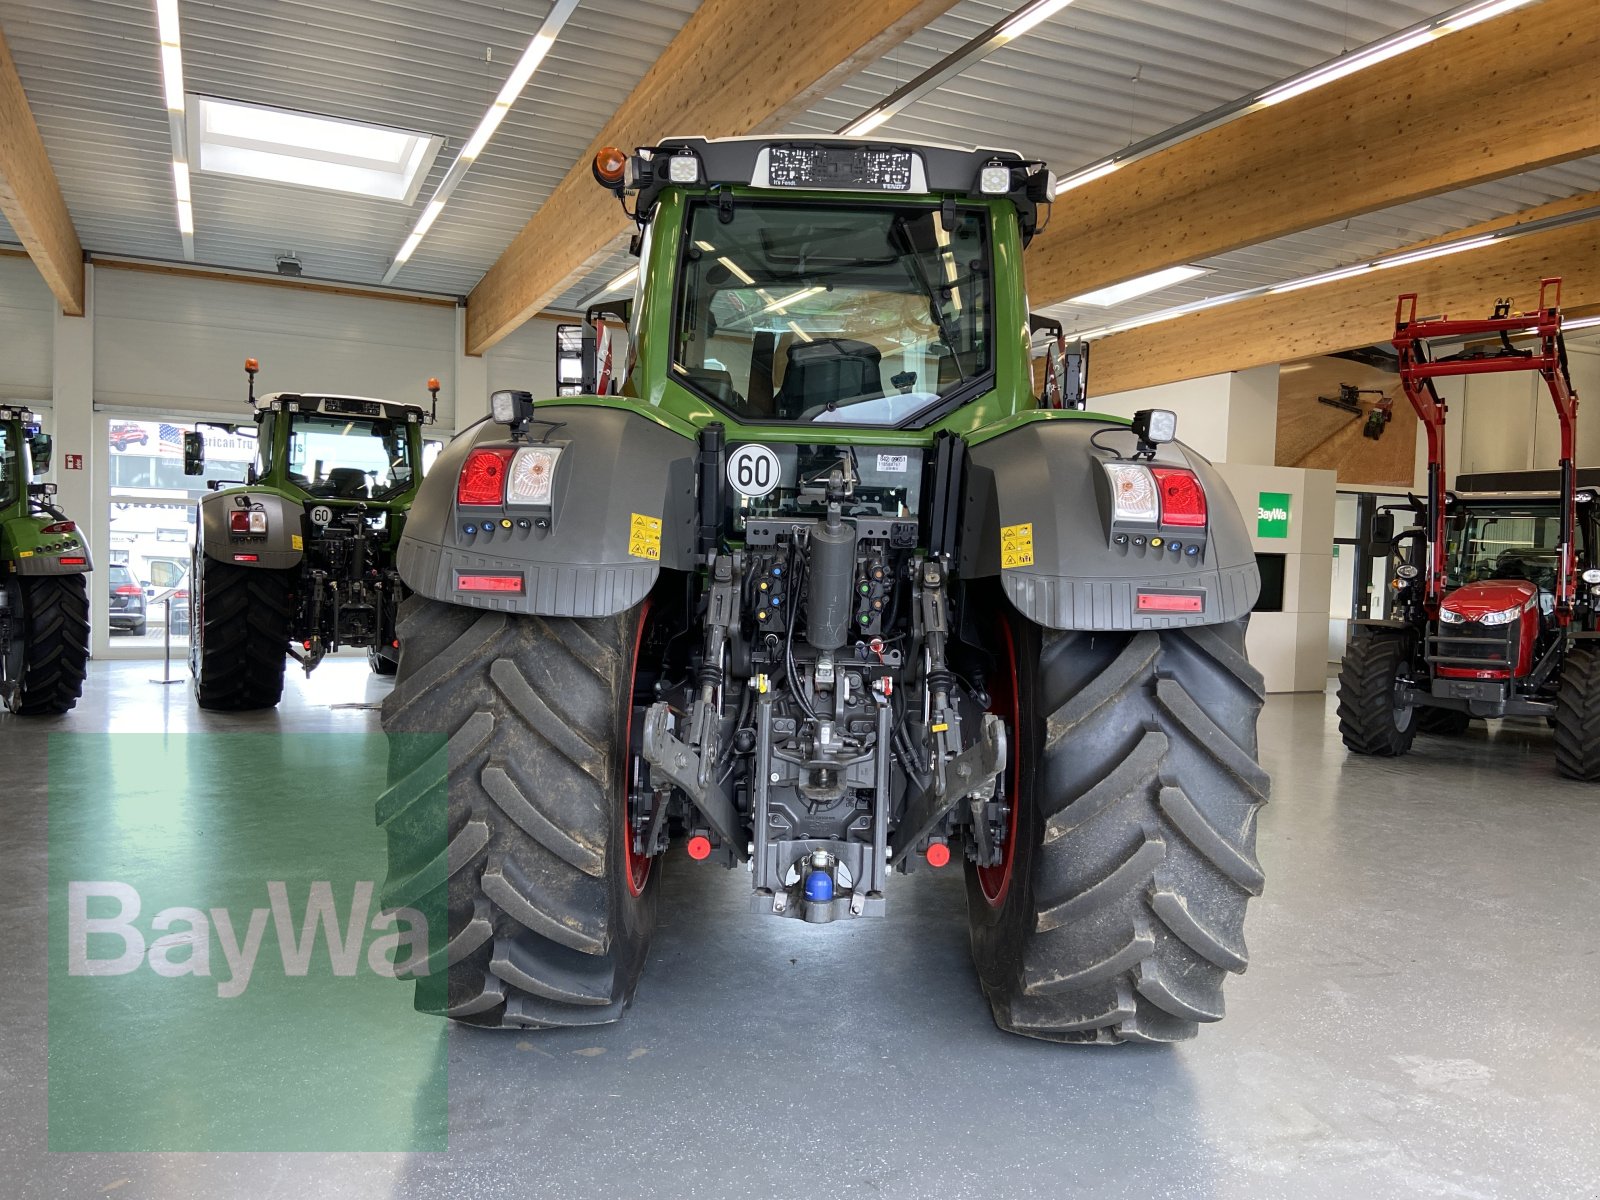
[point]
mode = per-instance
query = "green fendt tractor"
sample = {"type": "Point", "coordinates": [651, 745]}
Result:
{"type": "Point", "coordinates": [44, 607]}
{"type": "Point", "coordinates": [821, 591]}
{"type": "Point", "coordinates": [300, 561]}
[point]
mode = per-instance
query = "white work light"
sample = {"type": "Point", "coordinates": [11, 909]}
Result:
{"type": "Point", "coordinates": [994, 179]}
{"type": "Point", "coordinates": [510, 407]}
{"type": "Point", "coordinates": [683, 168]}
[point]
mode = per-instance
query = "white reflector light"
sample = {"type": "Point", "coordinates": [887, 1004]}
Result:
{"type": "Point", "coordinates": [1133, 492]}
{"type": "Point", "coordinates": [994, 180]}
{"type": "Point", "coordinates": [533, 475]}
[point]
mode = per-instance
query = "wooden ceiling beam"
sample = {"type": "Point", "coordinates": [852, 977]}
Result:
{"type": "Point", "coordinates": [736, 67]}
{"type": "Point", "coordinates": [1517, 92]}
{"type": "Point", "coordinates": [1350, 313]}
{"type": "Point", "coordinates": [30, 197]}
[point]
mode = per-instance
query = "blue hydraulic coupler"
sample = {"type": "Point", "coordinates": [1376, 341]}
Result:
{"type": "Point", "coordinates": [819, 887]}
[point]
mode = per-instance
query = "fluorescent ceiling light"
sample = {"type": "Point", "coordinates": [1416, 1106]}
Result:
{"type": "Point", "coordinates": [867, 123]}
{"type": "Point", "coordinates": [1003, 31]}
{"type": "Point", "coordinates": [1117, 293]}
{"type": "Point", "coordinates": [1581, 323]}
{"type": "Point", "coordinates": [1029, 16]}
{"type": "Point", "coordinates": [1463, 16]}
{"type": "Point", "coordinates": [1087, 175]}
{"type": "Point", "coordinates": [256, 141]}
{"type": "Point", "coordinates": [534, 54]}
{"type": "Point", "coordinates": [1397, 259]}
{"type": "Point", "coordinates": [172, 90]}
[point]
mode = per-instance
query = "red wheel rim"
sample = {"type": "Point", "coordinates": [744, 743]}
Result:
{"type": "Point", "coordinates": [1005, 702]}
{"type": "Point", "coordinates": [636, 867]}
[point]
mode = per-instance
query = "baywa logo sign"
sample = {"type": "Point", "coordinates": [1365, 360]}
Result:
{"type": "Point", "coordinates": [1272, 515]}
{"type": "Point", "coordinates": [232, 965]}
{"type": "Point", "coordinates": [187, 950]}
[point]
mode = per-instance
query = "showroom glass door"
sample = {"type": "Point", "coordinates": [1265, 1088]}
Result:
{"type": "Point", "coordinates": [152, 522]}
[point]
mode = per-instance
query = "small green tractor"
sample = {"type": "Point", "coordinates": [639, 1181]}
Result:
{"type": "Point", "coordinates": [813, 585]}
{"type": "Point", "coordinates": [44, 606]}
{"type": "Point", "coordinates": [299, 561]}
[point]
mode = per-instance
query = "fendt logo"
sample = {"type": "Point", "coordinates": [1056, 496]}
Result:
{"type": "Point", "coordinates": [187, 950]}
{"type": "Point", "coordinates": [1272, 515]}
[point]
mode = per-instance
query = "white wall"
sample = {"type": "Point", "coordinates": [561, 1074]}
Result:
{"type": "Point", "coordinates": [27, 314]}
{"type": "Point", "coordinates": [1508, 423]}
{"type": "Point", "coordinates": [1289, 648]}
{"type": "Point", "coordinates": [1231, 417]}
{"type": "Point", "coordinates": [525, 359]}
{"type": "Point", "coordinates": [173, 344]}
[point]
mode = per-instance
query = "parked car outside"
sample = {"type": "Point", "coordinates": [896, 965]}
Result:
{"type": "Point", "coordinates": [127, 600]}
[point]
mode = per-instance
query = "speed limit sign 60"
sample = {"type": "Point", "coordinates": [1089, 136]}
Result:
{"type": "Point", "coordinates": [753, 470]}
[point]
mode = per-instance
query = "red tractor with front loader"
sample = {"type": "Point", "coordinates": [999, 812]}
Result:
{"type": "Point", "coordinates": [1495, 596]}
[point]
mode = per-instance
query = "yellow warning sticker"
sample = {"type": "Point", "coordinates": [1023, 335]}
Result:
{"type": "Point", "coordinates": [24, 553]}
{"type": "Point", "coordinates": [297, 542]}
{"type": "Point", "coordinates": [1016, 545]}
{"type": "Point", "coordinates": [644, 537]}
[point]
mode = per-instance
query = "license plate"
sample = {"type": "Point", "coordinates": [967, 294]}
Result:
{"type": "Point", "coordinates": [856, 168]}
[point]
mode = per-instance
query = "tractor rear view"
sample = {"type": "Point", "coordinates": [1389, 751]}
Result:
{"type": "Point", "coordinates": [44, 608]}
{"type": "Point", "coordinates": [1495, 601]}
{"type": "Point", "coordinates": [299, 561]}
{"type": "Point", "coordinates": [815, 587]}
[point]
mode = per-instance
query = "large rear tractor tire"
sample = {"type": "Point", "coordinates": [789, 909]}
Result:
{"type": "Point", "coordinates": [1370, 722]}
{"type": "Point", "coordinates": [239, 635]}
{"type": "Point", "coordinates": [1578, 713]}
{"type": "Point", "coordinates": [1119, 910]}
{"type": "Point", "coordinates": [49, 658]}
{"type": "Point", "coordinates": [550, 912]}
{"type": "Point", "coordinates": [1443, 722]}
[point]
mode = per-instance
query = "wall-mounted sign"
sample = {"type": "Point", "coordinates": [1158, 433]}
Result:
{"type": "Point", "coordinates": [1272, 515]}
{"type": "Point", "coordinates": [74, 462]}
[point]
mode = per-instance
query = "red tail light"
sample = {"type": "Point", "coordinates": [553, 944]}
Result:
{"type": "Point", "coordinates": [61, 527]}
{"type": "Point", "coordinates": [1183, 500]}
{"type": "Point", "coordinates": [483, 477]}
{"type": "Point", "coordinates": [74, 562]}
{"type": "Point", "coordinates": [128, 589]}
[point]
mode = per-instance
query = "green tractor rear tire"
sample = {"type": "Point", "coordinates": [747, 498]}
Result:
{"type": "Point", "coordinates": [1577, 721]}
{"type": "Point", "coordinates": [239, 635]}
{"type": "Point", "coordinates": [1136, 783]}
{"type": "Point", "coordinates": [1369, 720]}
{"type": "Point", "coordinates": [550, 914]}
{"type": "Point", "coordinates": [51, 658]}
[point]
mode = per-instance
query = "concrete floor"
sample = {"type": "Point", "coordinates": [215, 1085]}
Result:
{"type": "Point", "coordinates": [1420, 1018]}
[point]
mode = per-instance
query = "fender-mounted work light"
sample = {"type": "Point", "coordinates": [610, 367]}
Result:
{"type": "Point", "coordinates": [1155, 425]}
{"type": "Point", "coordinates": [511, 407]}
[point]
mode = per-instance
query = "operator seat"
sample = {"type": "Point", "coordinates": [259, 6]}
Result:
{"type": "Point", "coordinates": [828, 371]}
{"type": "Point", "coordinates": [348, 483]}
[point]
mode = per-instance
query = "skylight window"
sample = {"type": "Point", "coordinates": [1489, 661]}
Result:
{"type": "Point", "coordinates": [255, 141]}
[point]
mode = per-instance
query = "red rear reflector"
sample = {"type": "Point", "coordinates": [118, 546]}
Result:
{"type": "Point", "coordinates": [77, 562]}
{"type": "Point", "coordinates": [246, 558]}
{"type": "Point", "coordinates": [126, 589]}
{"type": "Point", "coordinates": [938, 854]}
{"type": "Point", "coordinates": [699, 848]}
{"type": "Point", "coordinates": [1179, 602]}
{"type": "Point", "coordinates": [483, 477]}
{"type": "Point", "coordinates": [395, 643]}
{"type": "Point", "coordinates": [488, 583]}
{"type": "Point", "coordinates": [1183, 500]}
{"type": "Point", "coordinates": [61, 527]}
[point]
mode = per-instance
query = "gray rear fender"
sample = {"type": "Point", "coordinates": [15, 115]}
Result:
{"type": "Point", "coordinates": [1041, 489]}
{"type": "Point", "coordinates": [622, 507]}
{"type": "Point", "coordinates": [279, 548]}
